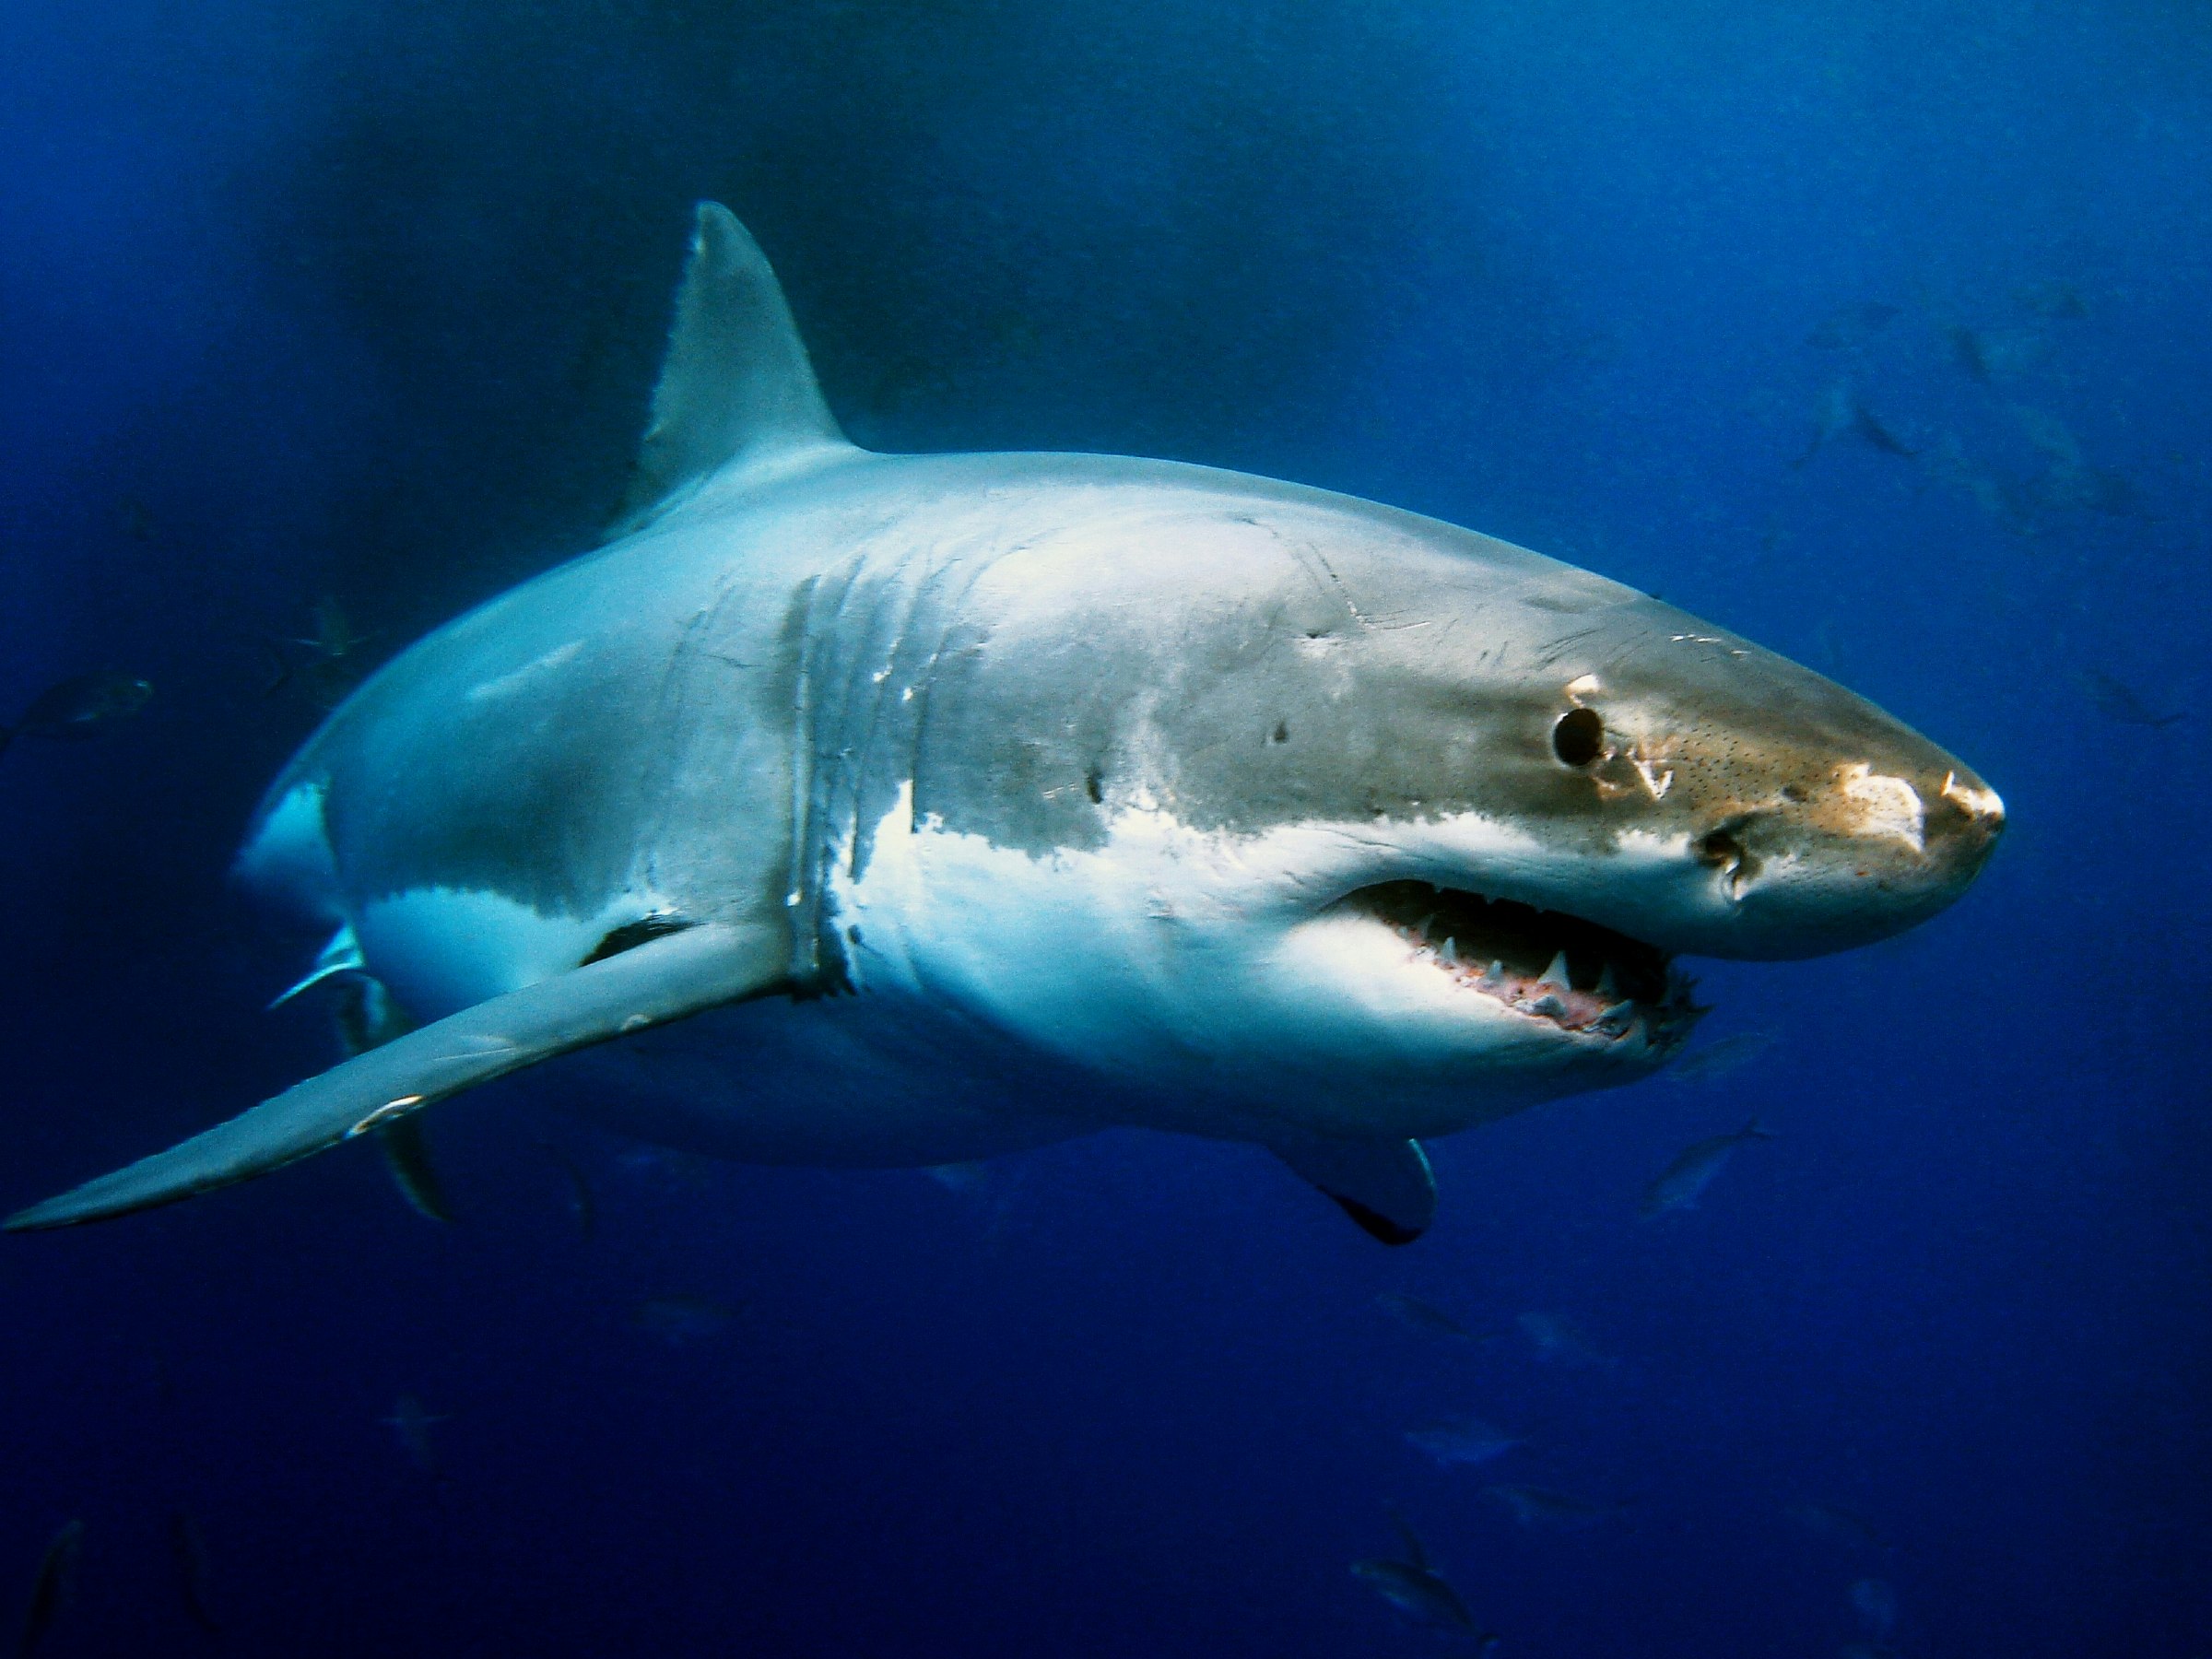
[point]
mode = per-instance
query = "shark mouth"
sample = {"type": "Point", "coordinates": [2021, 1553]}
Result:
{"type": "Point", "coordinates": [1545, 965]}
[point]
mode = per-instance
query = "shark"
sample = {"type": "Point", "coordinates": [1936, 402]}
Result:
{"type": "Point", "coordinates": [851, 808]}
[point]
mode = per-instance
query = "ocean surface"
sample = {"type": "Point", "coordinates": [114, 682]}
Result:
{"type": "Point", "coordinates": [1878, 333]}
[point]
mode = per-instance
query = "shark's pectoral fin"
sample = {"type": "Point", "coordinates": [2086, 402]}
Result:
{"type": "Point", "coordinates": [1386, 1185]}
{"type": "Point", "coordinates": [665, 978]}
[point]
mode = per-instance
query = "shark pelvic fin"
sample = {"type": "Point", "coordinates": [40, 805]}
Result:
{"type": "Point", "coordinates": [406, 1151]}
{"type": "Point", "coordinates": [737, 388]}
{"type": "Point", "coordinates": [342, 954]}
{"type": "Point", "coordinates": [664, 979]}
{"type": "Point", "coordinates": [1386, 1186]}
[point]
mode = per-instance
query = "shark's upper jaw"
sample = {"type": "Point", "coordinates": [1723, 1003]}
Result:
{"type": "Point", "coordinates": [1551, 968]}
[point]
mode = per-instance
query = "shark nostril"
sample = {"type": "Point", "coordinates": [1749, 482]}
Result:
{"type": "Point", "coordinates": [1965, 816]}
{"type": "Point", "coordinates": [1976, 812]}
{"type": "Point", "coordinates": [1724, 849]}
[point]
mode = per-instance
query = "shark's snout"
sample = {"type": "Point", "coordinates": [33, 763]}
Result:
{"type": "Point", "coordinates": [1867, 850]}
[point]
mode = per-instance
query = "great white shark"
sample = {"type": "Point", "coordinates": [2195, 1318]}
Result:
{"type": "Point", "coordinates": [859, 808]}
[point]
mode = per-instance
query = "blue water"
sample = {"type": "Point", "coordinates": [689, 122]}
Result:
{"type": "Point", "coordinates": [366, 301]}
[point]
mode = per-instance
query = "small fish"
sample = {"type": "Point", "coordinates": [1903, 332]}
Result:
{"type": "Point", "coordinates": [1415, 1587]}
{"type": "Point", "coordinates": [1875, 1601]}
{"type": "Point", "coordinates": [1969, 353]}
{"type": "Point", "coordinates": [334, 635]}
{"type": "Point", "coordinates": [2048, 433]}
{"type": "Point", "coordinates": [1989, 355]}
{"type": "Point", "coordinates": [1560, 1341]}
{"type": "Point", "coordinates": [1839, 1526]}
{"type": "Point", "coordinates": [2061, 300]}
{"type": "Point", "coordinates": [1997, 494]}
{"type": "Point", "coordinates": [188, 1551]}
{"type": "Point", "coordinates": [411, 1425]}
{"type": "Point", "coordinates": [1847, 326]}
{"type": "Point", "coordinates": [582, 1207]}
{"type": "Point", "coordinates": [331, 666]}
{"type": "Point", "coordinates": [2092, 490]}
{"type": "Point", "coordinates": [54, 1588]}
{"type": "Point", "coordinates": [1462, 1441]}
{"type": "Point", "coordinates": [1870, 431]}
{"type": "Point", "coordinates": [1683, 1181]}
{"type": "Point", "coordinates": [80, 707]}
{"type": "Point", "coordinates": [680, 1320]}
{"type": "Point", "coordinates": [1838, 408]}
{"type": "Point", "coordinates": [1842, 414]}
{"type": "Point", "coordinates": [1718, 1059]}
{"type": "Point", "coordinates": [1423, 1317]}
{"type": "Point", "coordinates": [2117, 701]}
{"type": "Point", "coordinates": [1559, 1511]}
{"type": "Point", "coordinates": [2073, 482]}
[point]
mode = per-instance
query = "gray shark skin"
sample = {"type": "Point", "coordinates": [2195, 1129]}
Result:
{"type": "Point", "coordinates": [938, 806]}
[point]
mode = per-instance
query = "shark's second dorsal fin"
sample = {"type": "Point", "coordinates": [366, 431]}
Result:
{"type": "Point", "coordinates": [735, 388]}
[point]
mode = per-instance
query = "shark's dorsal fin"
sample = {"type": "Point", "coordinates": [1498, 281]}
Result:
{"type": "Point", "coordinates": [664, 979]}
{"type": "Point", "coordinates": [735, 388]}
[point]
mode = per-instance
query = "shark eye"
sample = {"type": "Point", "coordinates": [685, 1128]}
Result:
{"type": "Point", "coordinates": [1578, 737]}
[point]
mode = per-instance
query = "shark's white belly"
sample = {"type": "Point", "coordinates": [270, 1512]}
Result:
{"type": "Point", "coordinates": [881, 1074]}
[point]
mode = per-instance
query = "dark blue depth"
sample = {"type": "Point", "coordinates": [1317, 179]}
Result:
{"type": "Point", "coordinates": [366, 302]}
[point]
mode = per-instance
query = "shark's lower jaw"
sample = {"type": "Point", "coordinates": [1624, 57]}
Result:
{"type": "Point", "coordinates": [1576, 975]}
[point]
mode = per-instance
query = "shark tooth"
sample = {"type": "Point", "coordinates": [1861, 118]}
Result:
{"type": "Point", "coordinates": [1495, 971]}
{"type": "Point", "coordinates": [1450, 952]}
{"type": "Point", "coordinates": [1606, 987]}
{"type": "Point", "coordinates": [1548, 1006]}
{"type": "Point", "coordinates": [1557, 973]}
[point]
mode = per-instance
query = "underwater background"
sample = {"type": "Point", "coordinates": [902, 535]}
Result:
{"type": "Point", "coordinates": [1877, 332]}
